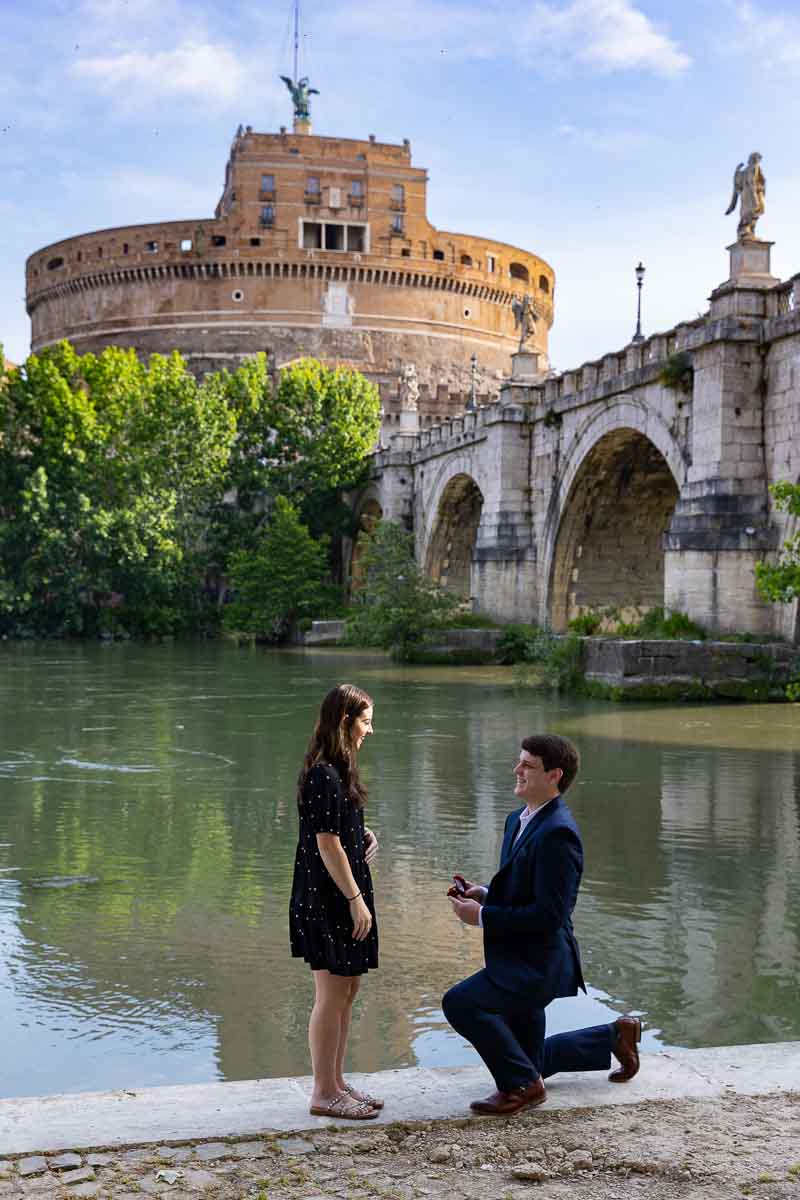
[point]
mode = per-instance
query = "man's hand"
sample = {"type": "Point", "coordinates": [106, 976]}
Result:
{"type": "Point", "coordinates": [466, 910]}
{"type": "Point", "coordinates": [370, 846]}
{"type": "Point", "coordinates": [476, 891]}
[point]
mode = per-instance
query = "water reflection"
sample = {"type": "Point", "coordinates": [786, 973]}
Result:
{"type": "Point", "coordinates": [147, 830]}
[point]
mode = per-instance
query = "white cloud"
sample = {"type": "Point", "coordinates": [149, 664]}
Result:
{"type": "Point", "coordinates": [602, 35]}
{"type": "Point", "coordinates": [198, 70]}
{"type": "Point", "coordinates": [609, 35]}
{"type": "Point", "coordinates": [773, 38]}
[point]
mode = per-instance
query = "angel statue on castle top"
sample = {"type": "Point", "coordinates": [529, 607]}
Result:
{"type": "Point", "coordinates": [750, 185]}
{"type": "Point", "coordinates": [300, 93]}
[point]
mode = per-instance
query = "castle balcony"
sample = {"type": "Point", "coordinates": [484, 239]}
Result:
{"type": "Point", "coordinates": [268, 196]}
{"type": "Point", "coordinates": [312, 197]}
{"type": "Point", "coordinates": [397, 205]}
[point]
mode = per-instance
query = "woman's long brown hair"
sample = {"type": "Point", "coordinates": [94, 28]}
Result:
{"type": "Point", "coordinates": [332, 740]}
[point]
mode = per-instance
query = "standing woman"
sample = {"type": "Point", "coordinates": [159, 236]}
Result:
{"type": "Point", "coordinates": [332, 911]}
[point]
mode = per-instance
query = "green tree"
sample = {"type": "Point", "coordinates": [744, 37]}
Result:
{"type": "Point", "coordinates": [396, 605]}
{"type": "Point", "coordinates": [282, 579]}
{"type": "Point", "coordinates": [780, 581]}
{"type": "Point", "coordinates": [326, 422]}
{"type": "Point", "coordinates": [107, 468]}
{"type": "Point", "coordinates": [307, 439]}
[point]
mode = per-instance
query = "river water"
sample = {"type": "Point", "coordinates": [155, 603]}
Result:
{"type": "Point", "coordinates": [147, 834]}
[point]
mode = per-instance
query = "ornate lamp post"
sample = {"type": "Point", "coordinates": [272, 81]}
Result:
{"type": "Point", "coordinates": [637, 337]}
{"type": "Point", "coordinates": [472, 403]}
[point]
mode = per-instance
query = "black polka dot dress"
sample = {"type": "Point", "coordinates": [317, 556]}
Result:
{"type": "Point", "coordinates": [320, 926]}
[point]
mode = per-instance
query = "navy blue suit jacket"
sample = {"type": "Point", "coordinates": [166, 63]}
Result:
{"type": "Point", "coordinates": [528, 941]}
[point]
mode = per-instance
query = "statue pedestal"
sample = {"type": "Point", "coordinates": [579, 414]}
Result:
{"type": "Point", "coordinates": [409, 421]}
{"type": "Point", "coordinates": [302, 125]}
{"type": "Point", "coordinates": [528, 366]}
{"type": "Point", "coordinates": [742, 294]}
{"type": "Point", "coordinates": [750, 264]}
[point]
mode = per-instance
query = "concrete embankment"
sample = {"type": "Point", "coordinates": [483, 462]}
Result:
{"type": "Point", "coordinates": [274, 1106]}
{"type": "Point", "coordinates": [709, 1122]}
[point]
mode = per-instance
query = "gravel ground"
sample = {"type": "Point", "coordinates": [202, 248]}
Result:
{"type": "Point", "coordinates": [670, 1150]}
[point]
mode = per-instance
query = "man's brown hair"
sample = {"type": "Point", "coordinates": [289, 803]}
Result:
{"type": "Point", "coordinates": [555, 751]}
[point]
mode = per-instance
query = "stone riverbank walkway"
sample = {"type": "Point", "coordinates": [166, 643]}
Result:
{"type": "Point", "coordinates": [710, 1124]}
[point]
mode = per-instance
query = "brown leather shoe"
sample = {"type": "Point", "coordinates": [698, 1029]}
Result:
{"type": "Point", "coordinates": [505, 1104]}
{"type": "Point", "coordinates": [629, 1032]}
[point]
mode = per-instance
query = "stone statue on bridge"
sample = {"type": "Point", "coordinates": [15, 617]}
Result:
{"type": "Point", "coordinates": [524, 319]}
{"type": "Point", "coordinates": [409, 388]}
{"type": "Point", "coordinates": [749, 186]}
{"type": "Point", "coordinates": [300, 96]}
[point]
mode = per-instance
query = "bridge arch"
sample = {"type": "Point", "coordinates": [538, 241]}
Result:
{"type": "Point", "coordinates": [450, 547]}
{"type": "Point", "coordinates": [614, 499]}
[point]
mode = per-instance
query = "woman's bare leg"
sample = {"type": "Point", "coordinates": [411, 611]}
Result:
{"type": "Point", "coordinates": [332, 1002]}
{"type": "Point", "coordinates": [344, 1030]}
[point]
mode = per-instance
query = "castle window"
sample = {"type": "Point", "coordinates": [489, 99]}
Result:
{"type": "Point", "coordinates": [124, 247]}
{"type": "Point", "coordinates": [79, 256]}
{"type": "Point", "coordinates": [268, 183]}
{"type": "Point", "coordinates": [218, 240]}
{"type": "Point", "coordinates": [334, 237]}
{"type": "Point", "coordinates": [267, 215]}
{"type": "Point", "coordinates": [151, 247]}
{"type": "Point", "coordinates": [330, 235]}
{"type": "Point", "coordinates": [406, 253]}
{"type": "Point", "coordinates": [518, 271]}
{"type": "Point", "coordinates": [99, 251]}
{"type": "Point", "coordinates": [356, 187]}
{"type": "Point", "coordinates": [491, 263]}
{"type": "Point", "coordinates": [312, 189]}
{"type": "Point", "coordinates": [312, 235]}
{"type": "Point", "coordinates": [466, 261]}
{"type": "Point", "coordinates": [55, 263]}
{"type": "Point", "coordinates": [398, 196]}
{"type": "Point", "coordinates": [254, 241]}
{"type": "Point", "coordinates": [186, 244]}
{"type": "Point", "coordinates": [397, 225]}
{"type": "Point", "coordinates": [544, 283]}
{"type": "Point", "coordinates": [355, 238]}
{"type": "Point", "coordinates": [439, 255]}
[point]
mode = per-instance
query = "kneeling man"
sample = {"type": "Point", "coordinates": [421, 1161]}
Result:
{"type": "Point", "coordinates": [530, 950]}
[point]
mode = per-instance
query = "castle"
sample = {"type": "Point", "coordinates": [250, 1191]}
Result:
{"type": "Point", "coordinates": [318, 246]}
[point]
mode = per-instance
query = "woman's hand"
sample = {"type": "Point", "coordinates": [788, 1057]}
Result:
{"type": "Point", "coordinates": [370, 845]}
{"type": "Point", "coordinates": [362, 918]}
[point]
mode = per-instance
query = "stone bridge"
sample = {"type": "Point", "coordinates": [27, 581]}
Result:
{"type": "Point", "coordinates": [607, 488]}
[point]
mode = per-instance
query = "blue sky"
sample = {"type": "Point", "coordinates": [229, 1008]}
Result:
{"type": "Point", "coordinates": [593, 132]}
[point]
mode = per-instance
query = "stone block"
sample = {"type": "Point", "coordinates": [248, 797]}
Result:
{"type": "Point", "coordinates": [34, 1165]}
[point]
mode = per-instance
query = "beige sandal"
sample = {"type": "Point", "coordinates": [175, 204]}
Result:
{"type": "Point", "coordinates": [344, 1106]}
{"type": "Point", "coordinates": [364, 1097]}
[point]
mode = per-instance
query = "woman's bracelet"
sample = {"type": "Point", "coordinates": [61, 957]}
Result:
{"type": "Point", "coordinates": [352, 898]}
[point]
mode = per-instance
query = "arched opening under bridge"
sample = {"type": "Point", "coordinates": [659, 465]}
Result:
{"type": "Point", "coordinates": [452, 544]}
{"type": "Point", "coordinates": [609, 554]}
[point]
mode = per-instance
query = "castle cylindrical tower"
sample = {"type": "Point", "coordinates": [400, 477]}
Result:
{"type": "Point", "coordinates": [318, 246]}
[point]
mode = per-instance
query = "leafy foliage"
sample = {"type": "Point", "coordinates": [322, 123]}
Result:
{"type": "Point", "coordinates": [106, 469]}
{"type": "Point", "coordinates": [324, 422]}
{"type": "Point", "coordinates": [586, 623]}
{"type": "Point", "coordinates": [395, 605]}
{"type": "Point", "coordinates": [551, 662]}
{"type": "Point", "coordinates": [677, 372]}
{"type": "Point", "coordinates": [126, 488]}
{"type": "Point", "coordinates": [780, 581]}
{"type": "Point", "coordinates": [282, 580]}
